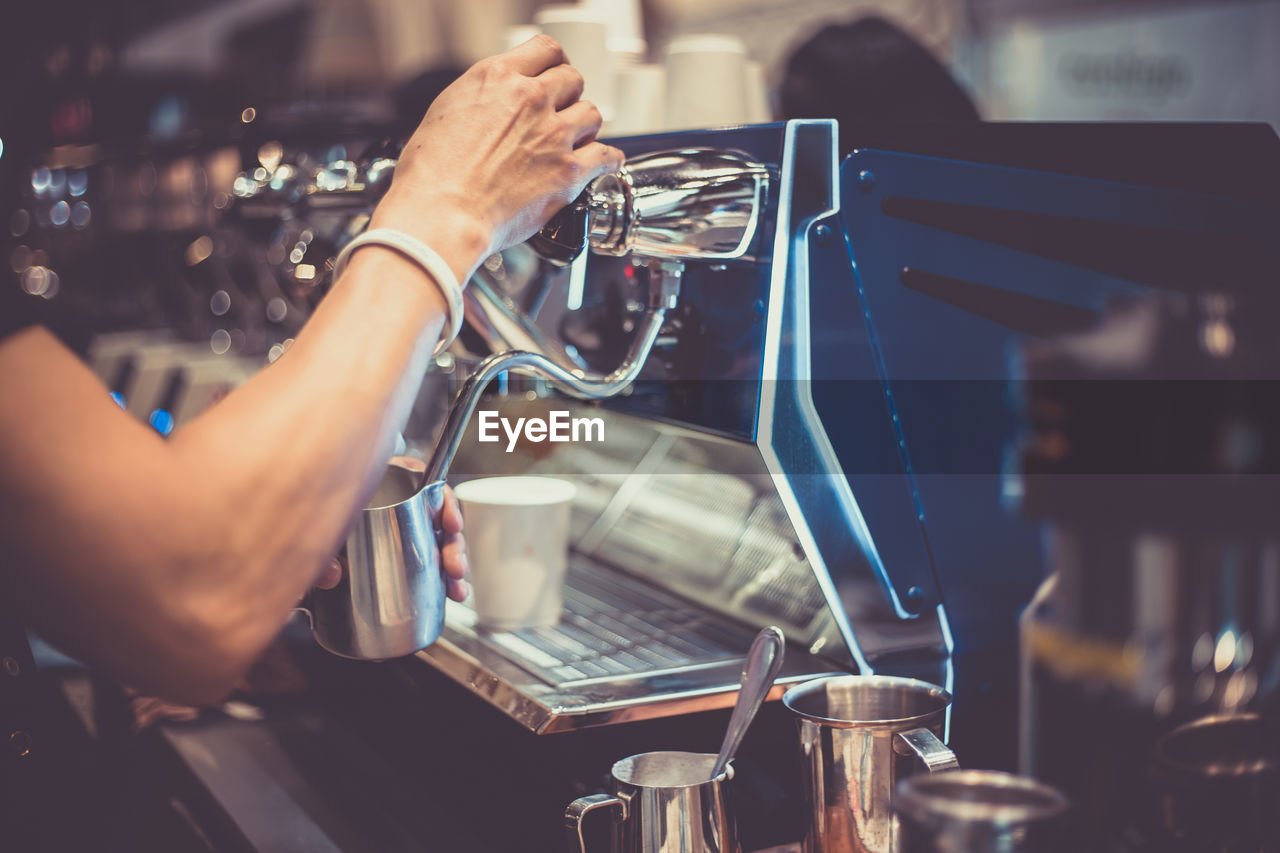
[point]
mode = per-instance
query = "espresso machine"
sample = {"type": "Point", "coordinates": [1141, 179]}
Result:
{"type": "Point", "coordinates": [712, 509]}
{"type": "Point", "coordinates": [820, 438]}
{"type": "Point", "coordinates": [817, 432]}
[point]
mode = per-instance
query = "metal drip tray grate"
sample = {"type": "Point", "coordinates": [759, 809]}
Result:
{"type": "Point", "coordinates": [615, 628]}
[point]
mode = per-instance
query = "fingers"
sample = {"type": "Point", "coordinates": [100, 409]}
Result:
{"type": "Point", "coordinates": [458, 590]}
{"type": "Point", "coordinates": [453, 557]}
{"type": "Point", "coordinates": [453, 548]}
{"type": "Point", "coordinates": [535, 56]}
{"type": "Point", "coordinates": [564, 83]}
{"type": "Point", "coordinates": [584, 120]}
{"type": "Point", "coordinates": [413, 463]}
{"type": "Point", "coordinates": [330, 575]}
{"type": "Point", "coordinates": [451, 513]}
{"type": "Point", "coordinates": [148, 710]}
{"type": "Point", "coordinates": [596, 159]}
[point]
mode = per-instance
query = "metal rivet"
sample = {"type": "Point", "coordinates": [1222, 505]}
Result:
{"type": "Point", "coordinates": [20, 744]}
{"type": "Point", "coordinates": [822, 235]}
{"type": "Point", "coordinates": [11, 666]}
{"type": "Point", "coordinates": [866, 180]}
{"type": "Point", "coordinates": [913, 601]}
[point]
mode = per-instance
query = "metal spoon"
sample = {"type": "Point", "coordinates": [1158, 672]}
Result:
{"type": "Point", "coordinates": [764, 660]}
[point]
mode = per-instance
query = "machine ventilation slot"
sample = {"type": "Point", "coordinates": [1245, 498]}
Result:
{"type": "Point", "coordinates": [1159, 257]}
{"type": "Point", "coordinates": [1031, 315]}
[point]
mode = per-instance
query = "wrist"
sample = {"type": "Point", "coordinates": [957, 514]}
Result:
{"type": "Point", "coordinates": [398, 277]}
{"type": "Point", "coordinates": [462, 239]}
{"type": "Point", "coordinates": [427, 259]}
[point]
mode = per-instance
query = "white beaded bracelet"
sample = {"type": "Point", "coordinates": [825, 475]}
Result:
{"type": "Point", "coordinates": [424, 256]}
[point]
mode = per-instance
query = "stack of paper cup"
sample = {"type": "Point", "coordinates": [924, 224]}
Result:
{"type": "Point", "coordinates": [517, 531]}
{"type": "Point", "coordinates": [640, 97]}
{"type": "Point", "coordinates": [583, 33]}
{"type": "Point", "coordinates": [625, 31]}
{"type": "Point", "coordinates": [759, 110]}
{"type": "Point", "coordinates": [706, 82]}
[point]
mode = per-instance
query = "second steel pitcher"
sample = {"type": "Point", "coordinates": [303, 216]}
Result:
{"type": "Point", "coordinates": [663, 802]}
{"type": "Point", "coordinates": [860, 734]}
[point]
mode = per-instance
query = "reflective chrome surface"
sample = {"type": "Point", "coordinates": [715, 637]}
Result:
{"type": "Point", "coordinates": [504, 326]}
{"type": "Point", "coordinates": [664, 290]}
{"type": "Point", "coordinates": [980, 811]}
{"type": "Point", "coordinates": [694, 203]}
{"type": "Point", "coordinates": [859, 735]}
{"type": "Point", "coordinates": [764, 662]}
{"type": "Point", "coordinates": [391, 599]}
{"type": "Point", "coordinates": [690, 204]}
{"type": "Point", "coordinates": [623, 652]}
{"type": "Point", "coordinates": [663, 802]}
{"type": "Point", "coordinates": [278, 186]}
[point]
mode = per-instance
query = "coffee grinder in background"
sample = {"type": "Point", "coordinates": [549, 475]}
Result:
{"type": "Point", "coordinates": [1151, 680]}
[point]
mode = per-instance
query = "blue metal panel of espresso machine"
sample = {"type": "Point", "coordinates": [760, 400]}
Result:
{"type": "Point", "coordinates": [748, 372]}
{"type": "Point", "coordinates": [867, 336]}
{"type": "Point", "coordinates": [950, 266]}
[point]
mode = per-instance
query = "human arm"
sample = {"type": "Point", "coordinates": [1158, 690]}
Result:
{"type": "Point", "coordinates": [172, 564]}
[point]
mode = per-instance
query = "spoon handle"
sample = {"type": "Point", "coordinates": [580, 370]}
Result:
{"type": "Point", "coordinates": [764, 660]}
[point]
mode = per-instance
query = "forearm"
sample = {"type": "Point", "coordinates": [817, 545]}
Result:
{"type": "Point", "coordinates": [287, 459]}
{"type": "Point", "coordinates": [174, 563]}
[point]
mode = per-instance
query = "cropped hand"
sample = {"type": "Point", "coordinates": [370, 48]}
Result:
{"type": "Point", "coordinates": [502, 149]}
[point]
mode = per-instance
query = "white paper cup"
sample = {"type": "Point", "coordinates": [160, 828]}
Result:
{"type": "Point", "coordinates": [641, 94]}
{"type": "Point", "coordinates": [584, 35]}
{"type": "Point", "coordinates": [517, 531]}
{"type": "Point", "coordinates": [706, 82]}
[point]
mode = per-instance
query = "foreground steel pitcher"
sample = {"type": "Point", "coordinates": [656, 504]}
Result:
{"type": "Point", "coordinates": [663, 802]}
{"type": "Point", "coordinates": [390, 601]}
{"type": "Point", "coordinates": [859, 735]}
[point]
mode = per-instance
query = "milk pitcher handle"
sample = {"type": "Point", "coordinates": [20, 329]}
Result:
{"type": "Point", "coordinates": [927, 747]}
{"type": "Point", "coordinates": [579, 808]}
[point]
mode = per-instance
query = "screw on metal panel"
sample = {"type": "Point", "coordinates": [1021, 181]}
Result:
{"type": "Point", "coordinates": [11, 666]}
{"type": "Point", "coordinates": [822, 235]}
{"type": "Point", "coordinates": [913, 601]}
{"type": "Point", "coordinates": [866, 180]}
{"type": "Point", "coordinates": [20, 744]}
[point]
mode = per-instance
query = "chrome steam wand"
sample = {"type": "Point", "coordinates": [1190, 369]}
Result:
{"type": "Point", "coordinates": [664, 291]}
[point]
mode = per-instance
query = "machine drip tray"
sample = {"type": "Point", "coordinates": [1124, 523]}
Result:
{"type": "Point", "coordinates": [615, 628]}
{"type": "Point", "coordinates": [624, 650]}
